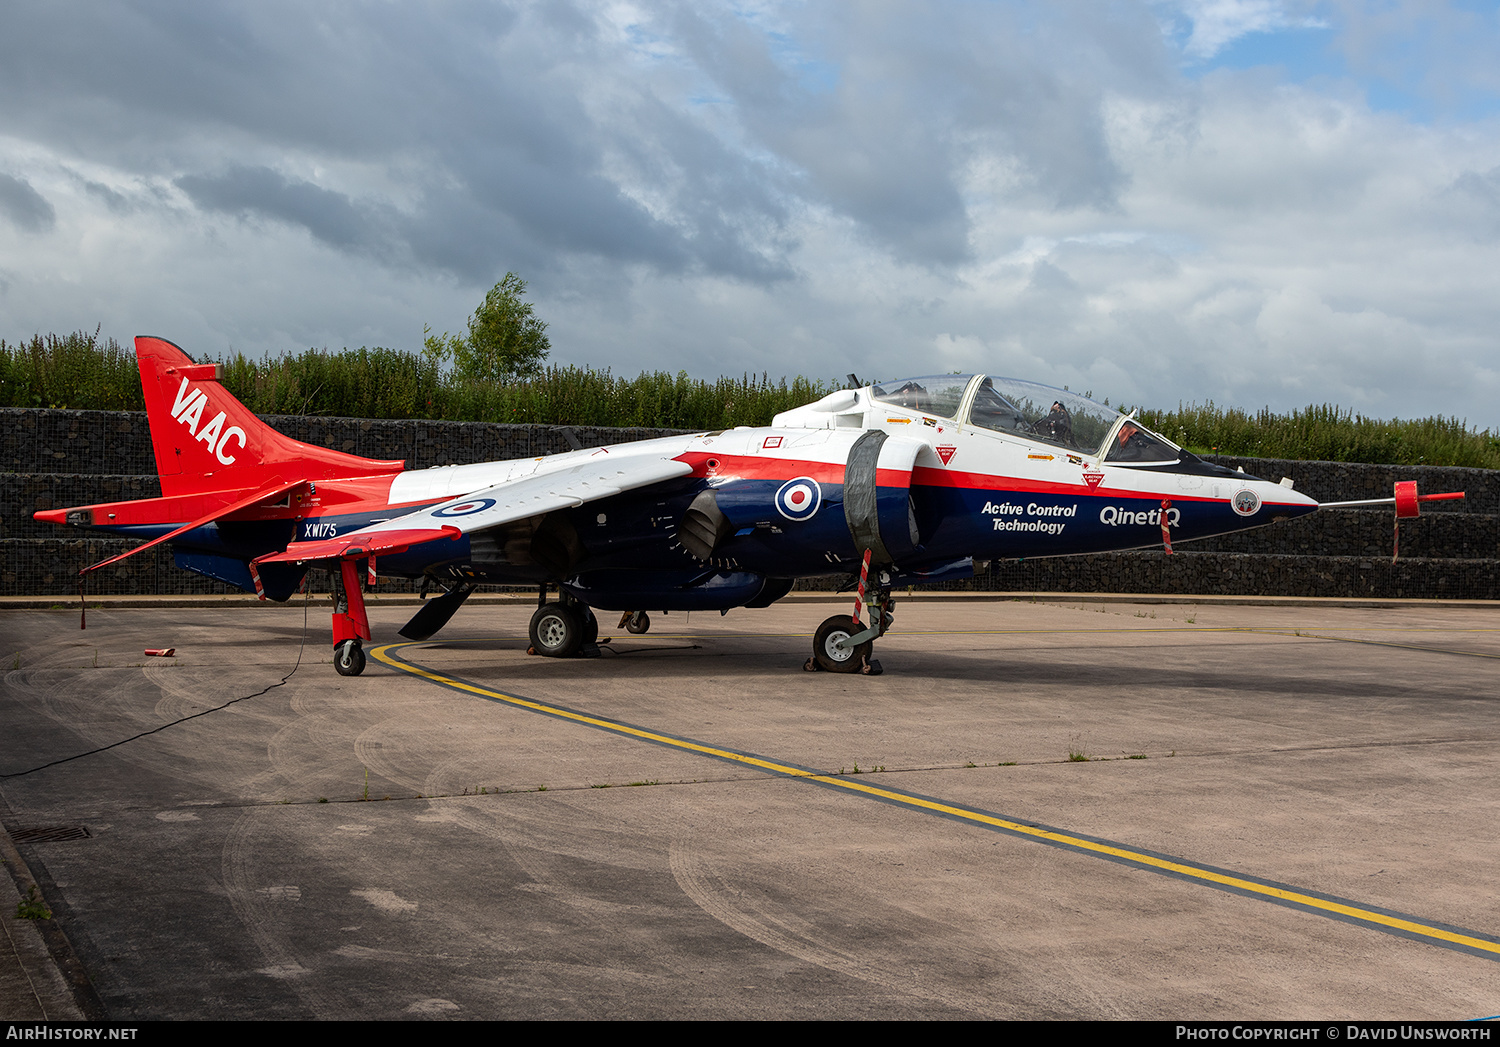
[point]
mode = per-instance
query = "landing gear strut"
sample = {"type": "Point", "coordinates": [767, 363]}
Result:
{"type": "Point", "coordinates": [350, 625]}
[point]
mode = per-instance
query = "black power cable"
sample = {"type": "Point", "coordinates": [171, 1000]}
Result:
{"type": "Point", "coordinates": [173, 723]}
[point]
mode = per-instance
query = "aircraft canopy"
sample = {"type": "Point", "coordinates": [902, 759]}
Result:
{"type": "Point", "coordinates": [1036, 412]}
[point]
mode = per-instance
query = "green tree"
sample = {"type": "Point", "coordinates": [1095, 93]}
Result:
{"type": "Point", "coordinates": [506, 340]}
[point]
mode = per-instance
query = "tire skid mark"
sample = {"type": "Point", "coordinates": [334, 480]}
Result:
{"type": "Point", "coordinates": [1331, 906]}
{"type": "Point", "coordinates": [760, 921]}
{"type": "Point", "coordinates": [259, 916]}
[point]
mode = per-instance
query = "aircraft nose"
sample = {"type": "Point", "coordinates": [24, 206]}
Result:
{"type": "Point", "coordinates": [1283, 498]}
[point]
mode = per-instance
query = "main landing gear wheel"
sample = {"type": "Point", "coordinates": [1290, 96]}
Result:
{"type": "Point", "coordinates": [557, 631]}
{"type": "Point", "coordinates": [349, 658]}
{"type": "Point", "coordinates": [637, 622]}
{"type": "Point", "coordinates": [834, 659]}
{"type": "Point", "coordinates": [590, 628]}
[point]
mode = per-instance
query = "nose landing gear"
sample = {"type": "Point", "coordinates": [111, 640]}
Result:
{"type": "Point", "coordinates": [843, 644]}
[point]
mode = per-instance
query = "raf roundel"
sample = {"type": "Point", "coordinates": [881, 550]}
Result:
{"type": "Point", "coordinates": [473, 505]}
{"type": "Point", "coordinates": [799, 499]}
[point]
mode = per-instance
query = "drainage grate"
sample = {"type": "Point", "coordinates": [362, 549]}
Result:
{"type": "Point", "coordinates": [51, 834]}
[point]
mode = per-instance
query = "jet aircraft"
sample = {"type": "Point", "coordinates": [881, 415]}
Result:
{"type": "Point", "coordinates": [896, 483]}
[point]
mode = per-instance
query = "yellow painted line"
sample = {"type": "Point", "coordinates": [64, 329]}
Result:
{"type": "Point", "coordinates": [1343, 909]}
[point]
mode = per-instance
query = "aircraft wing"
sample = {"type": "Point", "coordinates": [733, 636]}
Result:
{"type": "Point", "coordinates": [513, 500]}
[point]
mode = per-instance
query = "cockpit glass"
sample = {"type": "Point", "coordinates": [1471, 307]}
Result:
{"type": "Point", "coordinates": [1039, 412]}
{"type": "Point", "coordinates": [1134, 444]}
{"type": "Point", "coordinates": [1063, 419]}
{"type": "Point", "coordinates": [938, 395]}
{"type": "Point", "coordinates": [993, 411]}
{"type": "Point", "coordinates": [1034, 412]}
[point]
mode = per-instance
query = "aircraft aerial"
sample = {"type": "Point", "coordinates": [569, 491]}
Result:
{"type": "Point", "coordinates": [897, 484]}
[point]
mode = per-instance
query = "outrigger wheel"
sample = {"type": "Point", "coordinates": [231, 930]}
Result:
{"type": "Point", "coordinates": [636, 622]}
{"type": "Point", "coordinates": [349, 658]}
{"type": "Point", "coordinates": [350, 623]}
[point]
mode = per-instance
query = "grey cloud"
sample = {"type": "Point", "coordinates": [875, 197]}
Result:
{"type": "Point", "coordinates": [545, 130]}
{"type": "Point", "coordinates": [912, 93]}
{"type": "Point", "coordinates": [329, 216]}
{"type": "Point", "coordinates": [1477, 199]}
{"type": "Point", "coordinates": [868, 144]}
{"type": "Point", "coordinates": [116, 202]}
{"type": "Point", "coordinates": [1484, 187]}
{"type": "Point", "coordinates": [24, 206]}
{"type": "Point", "coordinates": [479, 123]}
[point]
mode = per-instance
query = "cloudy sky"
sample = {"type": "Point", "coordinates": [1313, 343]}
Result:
{"type": "Point", "coordinates": [1258, 202]}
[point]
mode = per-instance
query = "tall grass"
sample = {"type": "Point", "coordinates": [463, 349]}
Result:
{"type": "Point", "coordinates": [357, 383]}
{"type": "Point", "coordinates": [76, 370]}
{"type": "Point", "coordinates": [1326, 433]}
{"type": "Point", "coordinates": [387, 383]}
{"type": "Point", "coordinates": [79, 371]}
{"type": "Point", "coordinates": [82, 371]}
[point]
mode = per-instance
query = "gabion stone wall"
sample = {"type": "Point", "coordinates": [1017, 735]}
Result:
{"type": "Point", "coordinates": [57, 458]}
{"type": "Point", "coordinates": [1349, 482]}
{"type": "Point", "coordinates": [119, 442]}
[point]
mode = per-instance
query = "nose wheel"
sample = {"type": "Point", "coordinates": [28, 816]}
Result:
{"type": "Point", "coordinates": [832, 652]}
{"type": "Point", "coordinates": [843, 644]}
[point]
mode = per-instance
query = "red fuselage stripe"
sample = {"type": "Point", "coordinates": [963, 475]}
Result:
{"type": "Point", "coordinates": [767, 467]}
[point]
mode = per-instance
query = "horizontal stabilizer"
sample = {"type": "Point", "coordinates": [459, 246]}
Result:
{"type": "Point", "coordinates": [265, 494]}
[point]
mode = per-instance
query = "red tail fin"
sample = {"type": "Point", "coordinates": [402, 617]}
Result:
{"type": "Point", "coordinates": [206, 440]}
